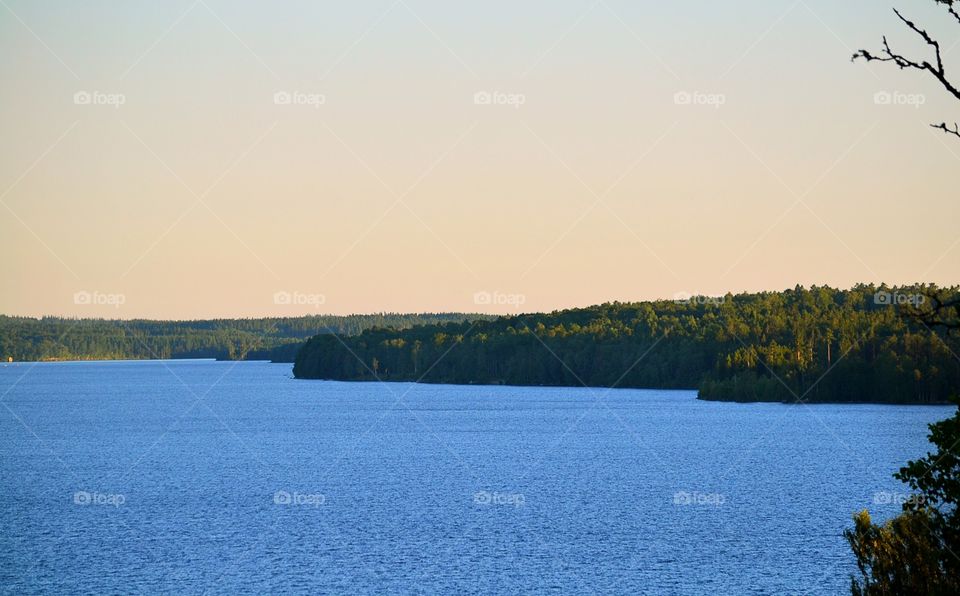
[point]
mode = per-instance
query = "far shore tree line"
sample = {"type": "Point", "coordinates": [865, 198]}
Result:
{"type": "Point", "coordinates": [277, 339]}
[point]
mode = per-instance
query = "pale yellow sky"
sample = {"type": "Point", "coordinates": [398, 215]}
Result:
{"type": "Point", "coordinates": [618, 151]}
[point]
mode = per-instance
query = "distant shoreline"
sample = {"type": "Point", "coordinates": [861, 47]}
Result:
{"type": "Point", "coordinates": [505, 385]}
{"type": "Point", "coordinates": [603, 388]}
{"type": "Point", "coordinates": [56, 339]}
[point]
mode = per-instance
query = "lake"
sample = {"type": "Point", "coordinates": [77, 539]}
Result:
{"type": "Point", "coordinates": [218, 477]}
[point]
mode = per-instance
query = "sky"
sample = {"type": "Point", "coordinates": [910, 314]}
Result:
{"type": "Point", "coordinates": [198, 159]}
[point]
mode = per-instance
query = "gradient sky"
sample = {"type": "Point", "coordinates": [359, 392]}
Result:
{"type": "Point", "coordinates": [201, 197]}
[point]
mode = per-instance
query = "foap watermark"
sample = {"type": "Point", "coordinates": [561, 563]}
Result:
{"type": "Point", "coordinates": [701, 299]}
{"type": "Point", "coordinates": [901, 499]}
{"type": "Point", "coordinates": [298, 98]}
{"type": "Point", "coordinates": [496, 298]}
{"type": "Point", "coordinates": [495, 498]}
{"type": "Point", "coordinates": [697, 498]}
{"type": "Point", "coordinates": [95, 298]}
{"type": "Point", "coordinates": [896, 98]}
{"type": "Point", "coordinates": [885, 298]}
{"type": "Point", "coordinates": [99, 98]}
{"type": "Point", "coordinates": [698, 98]}
{"type": "Point", "coordinates": [284, 298]}
{"type": "Point", "coordinates": [282, 497]}
{"type": "Point", "coordinates": [499, 98]}
{"type": "Point", "coordinates": [84, 498]}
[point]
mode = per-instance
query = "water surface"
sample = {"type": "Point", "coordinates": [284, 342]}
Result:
{"type": "Point", "coordinates": [218, 477]}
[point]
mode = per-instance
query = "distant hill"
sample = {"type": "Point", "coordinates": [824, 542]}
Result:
{"type": "Point", "coordinates": [817, 344]}
{"type": "Point", "coordinates": [56, 338]}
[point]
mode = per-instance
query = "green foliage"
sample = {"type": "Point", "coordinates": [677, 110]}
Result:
{"type": "Point", "coordinates": [916, 552]}
{"type": "Point", "coordinates": [902, 556]}
{"type": "Point", "coordinates": [937, 476]}
{"type": "Point", "coordinates": [770, 346]}
{"type": "Point", "coordinates": [278, 339]}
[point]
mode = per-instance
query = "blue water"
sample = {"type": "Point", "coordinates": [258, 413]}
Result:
{"type": "Point", "coordinates": [219, 477]}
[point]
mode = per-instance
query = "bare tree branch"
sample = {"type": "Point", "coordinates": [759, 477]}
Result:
{"type": "Point", "coordinates": [949, 4]}
{"type": "Point", "coordinates": [951, 131]}
{"type": "Point", "coordinates": [937, 69]}
{"type": "Point", "coordinates": [940, 308]}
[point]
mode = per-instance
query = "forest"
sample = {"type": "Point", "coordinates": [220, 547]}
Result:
{"type": "Point", "coordinates": [865, 344]}
{"type": "Point", "coordinates": [277, 339]}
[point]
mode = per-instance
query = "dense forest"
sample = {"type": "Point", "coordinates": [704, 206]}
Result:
{"type": "Point", "coordinates": [277, 339]}
{"type": "Point", "coordinates": [817, 344]}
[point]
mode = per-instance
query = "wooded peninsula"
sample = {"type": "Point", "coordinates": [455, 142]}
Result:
{"type": "Point", "coordinates": [866, 344]}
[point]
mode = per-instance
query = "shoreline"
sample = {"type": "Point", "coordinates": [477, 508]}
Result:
{"type": "Point", "coordinates": [423, 382]}
{"type": "Point", "coordinates": [599, 387]}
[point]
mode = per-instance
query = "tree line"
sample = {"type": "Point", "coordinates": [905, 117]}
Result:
{"type": "Point", "coordinates": [817, 344]}
{"type": "Point", "coordinates": [278, 339]}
